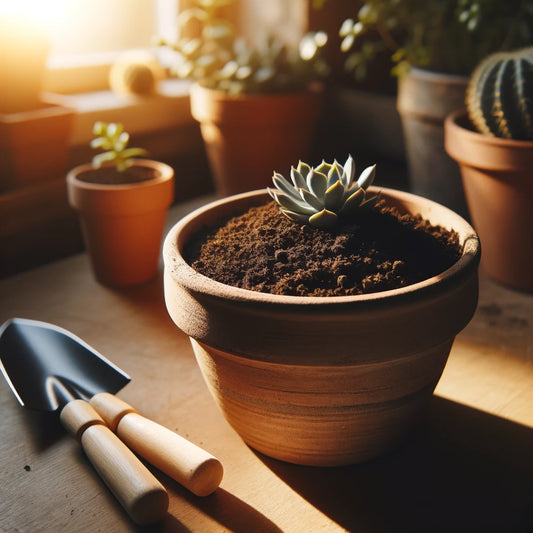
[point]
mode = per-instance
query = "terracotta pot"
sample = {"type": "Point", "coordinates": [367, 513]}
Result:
{"type": "Point", "coordinates": [249, 136]}
{"type": "Point", "coordinates": [499, 189]}
{"type": "Point", "coordinates": [425, 98]}
{"type": "Point", "coordinates": [123, 224]}
{"type": "Point", "coordinates": [321, 381]}
{"type": "Point", "coordinates": [34, 145]}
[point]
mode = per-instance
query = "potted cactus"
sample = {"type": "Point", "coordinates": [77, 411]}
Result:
{"type": "Point", "coordinates": [257, 105]}
{"type": "Point", "coordinates": [434, 46]}
{"type": "Point", "coordinates": [122, 204]}
{"type": "Point", "coordinates": [492, 141]}
{"type": "Point", "coordinates": [322, 320]}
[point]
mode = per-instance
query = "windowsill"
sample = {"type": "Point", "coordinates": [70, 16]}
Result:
{"type": "Point", "coordinates": [168, 108]}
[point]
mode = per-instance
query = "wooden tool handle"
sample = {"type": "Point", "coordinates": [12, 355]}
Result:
{"type": "Point", "coordinates": [139, 492]}
{"type": "Point", "coordinates": [188, 464]}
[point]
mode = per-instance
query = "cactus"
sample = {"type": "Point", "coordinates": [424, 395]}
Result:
{"type": "Point", "coordinates": [319, 196]}
{"type": "Point", "coordinates": [499, 97]}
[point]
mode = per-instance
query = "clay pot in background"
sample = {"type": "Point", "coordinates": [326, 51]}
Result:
{"type": "Point", "coordinates": [425, 98]}
{"type": "Point", "coordinates": [247, 136]}
{"type": "Point", "coordinates": [497, 179]}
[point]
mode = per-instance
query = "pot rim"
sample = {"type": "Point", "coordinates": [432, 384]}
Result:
{"type": "Point", "coordinates": [313, 89]}
{"type": "Point", "coordinates": [432, 75]}
{"type": "Point", "coordinates": [166, 173]}
{"type": "Point", "coordinates": [196, 282]}
{"type": "Point", "coordinates": [455, 120]}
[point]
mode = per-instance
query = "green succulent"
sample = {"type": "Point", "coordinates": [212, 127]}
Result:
{"type": "Point", "coordinates": [218, 58]}
{"type": "Point", "coordinates": [319, 196]}
{"type": "Point", "coordinates": [114, 140]}
{"type": "Point", "coordinates": [442, 35]}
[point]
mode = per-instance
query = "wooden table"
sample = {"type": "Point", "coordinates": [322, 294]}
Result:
{"type": "Point", "coordinates": [468, 467]}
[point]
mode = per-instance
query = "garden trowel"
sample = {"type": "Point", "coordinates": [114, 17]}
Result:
{"type": "Point", "coordinates": [50, 369]}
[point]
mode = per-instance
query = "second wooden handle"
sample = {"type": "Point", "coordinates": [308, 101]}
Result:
{"type": "Point", "coordinates": [143, 497]}
{"type": "Point", "coordinates": [188, 464]}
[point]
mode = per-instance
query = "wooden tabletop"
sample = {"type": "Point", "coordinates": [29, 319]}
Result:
{"type": "Point", "coordinates": [467, 467]}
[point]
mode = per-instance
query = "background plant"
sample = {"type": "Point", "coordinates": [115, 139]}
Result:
{"type": "Point", "coordinates": [218, 58]}
{"type": "Point", "coordinates": [449, 36]}
{"type": "Point", "coordinates": [114, 140]}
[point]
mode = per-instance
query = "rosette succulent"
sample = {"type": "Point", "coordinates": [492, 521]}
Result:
{"type": "Point", "coordinates": [319, 196]}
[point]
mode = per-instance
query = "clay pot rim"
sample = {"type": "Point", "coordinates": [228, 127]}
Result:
{"type": "Point", "coordinates": [165, 173]}
{"type": "Point", "coordinates": [314, 89]}
{"type": "Point", "coordinates": [457, 123]}
{"type": "Point", "coordinates": [430, 74]}
{"type": "Point", "coordinates": [195, 282]}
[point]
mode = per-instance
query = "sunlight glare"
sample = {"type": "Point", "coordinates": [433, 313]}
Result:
{"type": "Point", "coordinates": [44, 14]}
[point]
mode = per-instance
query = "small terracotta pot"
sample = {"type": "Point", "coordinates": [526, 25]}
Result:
{"type": "Point", "coordinates": [321, 380]}
{"type": "Point", "coordinates": [498, 185]}
{"type": "Point", "coordinates": [123, 224]}
{"type": "Point", "coordinates": [249, 136]}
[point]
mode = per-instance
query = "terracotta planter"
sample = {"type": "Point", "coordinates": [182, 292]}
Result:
{"type": "Point", "coordinates": [425, 98]}
{"type": "Point", "coordinates": [123, 224]}
{"type": "Point", "coordinates": [499, 189]}
{"type": "Point", "coordinates": [249, 136]}
{"type": "Point", "coordinates": [34, 145]}
{"type": "Point", "coordinates": [321, 381]}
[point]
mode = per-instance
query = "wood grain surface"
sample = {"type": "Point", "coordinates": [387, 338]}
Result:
{"type": "Point", "coordinates": [468, 467]}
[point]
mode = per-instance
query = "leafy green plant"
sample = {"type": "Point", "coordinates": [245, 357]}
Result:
{"type": "Point", "coordinates": [320, 196]}
{"type": "Point", "coordinates": [114, 140]}
{"type": "Point", "coordinates": [443, 35]}
{"type": "Point", "coordinates": [220, 59]}
{"type": "Point", "coordinates": [499, 96]}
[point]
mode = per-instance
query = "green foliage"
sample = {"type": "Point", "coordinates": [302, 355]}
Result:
{"type": "Point", "coordinates": [500, 95]}
{"type": "Point", "coordinates": [220, 59]}
{"type": "Point", "coordinates": [443, 35]}
{"type": "Point", "coordinates": [114, 141]}
{"type": "Point", "coordinates": [319, 196]}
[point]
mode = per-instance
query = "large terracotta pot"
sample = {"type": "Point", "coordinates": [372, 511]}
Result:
{"type": "Point", "coordinates": [425, 98]}
{"type": "Point", "coordinates": [123, 224]}
{"type": "Point", "coordinates": [321, 381]}
{"type": "Point", "coordinates": [249, 136]}
{"type": "Point", "coordinates": [498, 182]}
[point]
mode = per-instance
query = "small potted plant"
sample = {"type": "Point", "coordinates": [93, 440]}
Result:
{"type": "Point", "coordinates": [434, 46]}
{"type": "Point", "coordinates": [122, 203]}
{"type": "Point", "coordinates": [493, 144]}
{"type": "Point", "coordinates": [322, 320]}
{"type": "Point", "coordinates": [257, 105]}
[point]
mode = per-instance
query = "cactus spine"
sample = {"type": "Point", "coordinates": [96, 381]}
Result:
{"type": "Point", "coordinates": [499, 97]}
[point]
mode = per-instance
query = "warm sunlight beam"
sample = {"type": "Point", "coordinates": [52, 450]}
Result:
{"type": "Point", "coordinates": [44, 14]}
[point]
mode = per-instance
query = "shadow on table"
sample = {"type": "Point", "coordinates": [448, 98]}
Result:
{"type": "Point", "coordinates": [461, 470]}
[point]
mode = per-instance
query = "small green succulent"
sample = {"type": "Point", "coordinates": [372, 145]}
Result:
{"type": "Point", "coordinates": [319, 196]}
{"type": "Point", "coordinates": [114, 140]}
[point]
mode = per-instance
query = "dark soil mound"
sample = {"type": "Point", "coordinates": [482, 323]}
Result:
{"type": "Point", "coordinates": [262, 250]}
